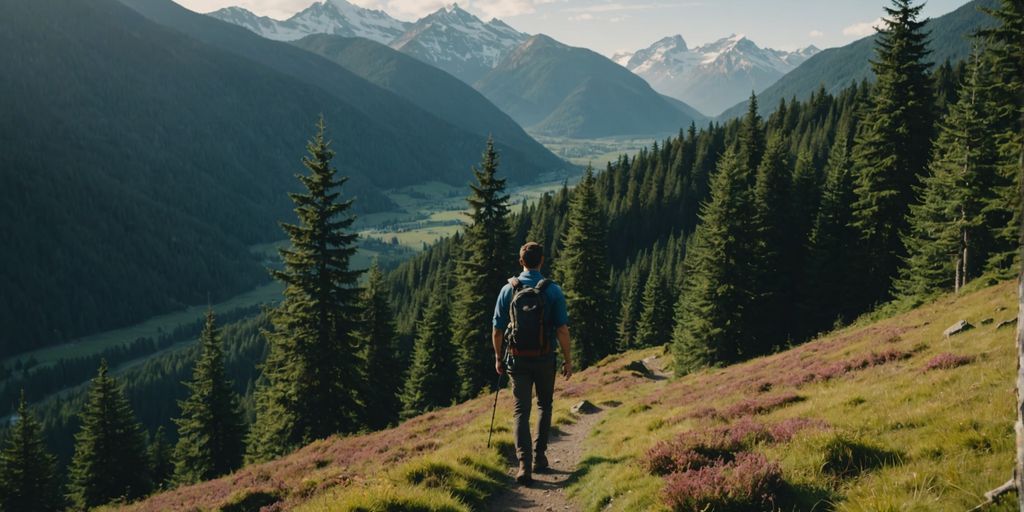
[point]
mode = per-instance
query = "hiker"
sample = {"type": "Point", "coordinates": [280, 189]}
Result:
{"type": "Point", "coordinates": [530, 314]}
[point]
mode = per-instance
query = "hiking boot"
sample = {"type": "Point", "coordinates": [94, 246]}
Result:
{"type": "Point", "coordinates": [523, 476]}
{"type": "Point", "coordinates": [540, 463]}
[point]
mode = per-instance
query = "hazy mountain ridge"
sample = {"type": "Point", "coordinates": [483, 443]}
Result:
{"type": "Point", "coordinates": [555, 89]}
{"type": "Point", "coordinates": [713, 76]}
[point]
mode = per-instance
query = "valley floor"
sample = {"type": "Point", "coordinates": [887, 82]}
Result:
{"type": "Point", "coordinates": [888, 415]}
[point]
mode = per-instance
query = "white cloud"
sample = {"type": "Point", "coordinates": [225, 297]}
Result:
{"type": "Point", "coordinates": [815, 34]}
{"type": "Point", "coordinates": [586, 16]}
{"type": "Point", "coordinates": [863, 29]}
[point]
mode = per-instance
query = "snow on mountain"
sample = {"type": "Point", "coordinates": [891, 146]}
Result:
{"type": "Point", "coordinates": [714, 76]}
{"type": "Point", "coordinates": [337, 17]}
{"type": "Point", "coordinates": [459, 43]}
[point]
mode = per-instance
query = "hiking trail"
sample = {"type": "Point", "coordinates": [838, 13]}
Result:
{"type": "Point", "coordinates": [565, 452]}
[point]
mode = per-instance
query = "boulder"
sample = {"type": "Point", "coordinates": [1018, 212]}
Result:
{"type": "Point", "coordinates": [957, 328]}
{"type": "Point", "coordinates": [584, 407]}
{"type": "Point", "coordinates": [1006, 323]}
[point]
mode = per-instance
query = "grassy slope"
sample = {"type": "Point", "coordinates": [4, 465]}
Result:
{"type": "Point", "coordinates": [943, 436]}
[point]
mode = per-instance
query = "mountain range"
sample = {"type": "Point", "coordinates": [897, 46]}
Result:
{"type": "Point", "coordinates": [336, 17]}
{"type": "Point", "coordinates": [558, 90]}
{"type": "Point", "coordinates": [836, 68]}
{"type": "Point", "coordinates": [547, 87]}
{"type": "Point", "coordinates": [714, 76]}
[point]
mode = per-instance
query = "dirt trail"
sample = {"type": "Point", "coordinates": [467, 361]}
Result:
{"type": "Point", "coordinates": [565, 451]}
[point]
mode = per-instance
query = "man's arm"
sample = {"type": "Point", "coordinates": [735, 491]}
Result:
{"type": "Point", "coordinates": [498, 340]}
{"type": "Point", "coordinates": [562, 333]}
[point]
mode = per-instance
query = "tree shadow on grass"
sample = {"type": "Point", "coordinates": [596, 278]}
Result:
{"type": "Point", "coordinates": [806, 498]}
{"type": "Point", "coordinates": [588, 464]}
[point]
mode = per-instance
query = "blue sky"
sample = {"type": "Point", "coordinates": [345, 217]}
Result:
{"type": "Point", "coordinates": [609, 26]}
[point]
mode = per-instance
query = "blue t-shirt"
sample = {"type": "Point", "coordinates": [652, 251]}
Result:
{"type": "Point", "coordinates": [554, 304]}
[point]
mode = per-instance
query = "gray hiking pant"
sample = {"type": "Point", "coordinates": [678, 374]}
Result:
{"type": "Point", "coordinates": [527, 374]}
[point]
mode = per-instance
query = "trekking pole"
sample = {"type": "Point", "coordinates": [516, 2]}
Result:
{"type": "Point", "coordinates": [494, 411]}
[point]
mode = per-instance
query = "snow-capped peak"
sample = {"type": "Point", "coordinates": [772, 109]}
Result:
{"type": "Point", "coordinates": [337, 17]}
{"type": "Point", "coordinates": [709, 76]}
{"type": "Point", "coordinates": [456, 41]}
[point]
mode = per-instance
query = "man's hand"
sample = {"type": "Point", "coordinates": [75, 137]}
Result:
{"type": "Point", "coordinates": [499, 365]}
{"type": "Point", "coordinates": [567, 369]}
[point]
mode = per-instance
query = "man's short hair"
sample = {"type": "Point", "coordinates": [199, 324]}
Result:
{"type": "Point", "coordinates": [531, 253]}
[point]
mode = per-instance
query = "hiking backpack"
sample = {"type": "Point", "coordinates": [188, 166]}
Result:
{"type": "Point", "coordinates": [526, 333]}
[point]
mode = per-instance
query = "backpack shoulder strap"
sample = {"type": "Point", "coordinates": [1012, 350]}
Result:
{"type": "Point", "coordinates": [516, 285]}
{"type": "Point", "coordinates": [543, 284]}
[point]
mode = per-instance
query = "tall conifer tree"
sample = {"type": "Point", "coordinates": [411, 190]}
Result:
{"type": "Point", "coordinates": [110, 461]}
{"type": "Point", "coordinates": [308, 388]}
{"type": "Point", "coordinates": [751, 140]}
{"type": "Point", "coordinates": [771, 222]}
{"type": "Point", "coordinates": [629, 312]}
{"type": "Point", "coordinates": [947, 236]}
{"type": "Point", "coordinates": [712, 309]}
{"type": "Point", "coordinates": [1005, 54]}
{"type": "Point", "coordinates": [488, 257]}
{"type": "Point", "coordinates": [28, 472]}
{"type": "Point", "coordinates": [379, 353]}
{"type": "Point", "coordinates": [210, 429]}
{"type": "Point", "coordinates": [583, 273]}
{"type": "Point", "coordinates": [892, 151]}
{"type": "Point", "coordinates": [161, 458]}
{"type": "Point", "coordinates": [832, 254]}
{"type": "Point", "coordinates": [654, 327]}
{"type": "Point", "coordinates": [432, 377]}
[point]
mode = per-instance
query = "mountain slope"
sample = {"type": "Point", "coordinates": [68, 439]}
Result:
{"type": "Point", "coordinates": [337, 17]}
{"type": "Point", "coordinates": [854, 420]}
{"type": "Point", "coordinates": [458, 42]}
{"type": "Point", "coordinates": [714, 76]}
{"type": "Point", "coordinates": [434, 91]}
{"type": "Point", "coordinates": [555, 89]}
{"type": "Point", "coordinates": [837, 68]}
{"type": "Point", "coordinates": [140, 162]}
{"type": "Point", "coordinates": [419, 130]}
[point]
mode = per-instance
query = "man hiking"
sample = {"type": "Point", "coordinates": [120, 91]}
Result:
{"type": "Point", "coordinates": [529, 315]}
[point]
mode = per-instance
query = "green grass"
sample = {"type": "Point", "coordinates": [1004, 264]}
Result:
{"type": "Point", "coordinates": [900, 438]}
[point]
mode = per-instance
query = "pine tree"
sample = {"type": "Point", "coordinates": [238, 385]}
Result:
{"type": "Point", "coordinates": [110, 461]}
{"type": "Point", "coordinates": [583, 274]}
{"type": "Point", "coordinates": [28, 472]}
{"type": "Point", "coordinates": [751, 140]}
{"type": "Point", "coordinates": [947, 233]}
{"type": "Point", "coordinates": [432, 376]}
{"type": "Point", "coordinates": [893, 148]}
{"type": "Point", "coordinates": [712, 307]}
{"type": "Point", "coordinates": [1004, 44]}
{"type": "Point", "coordinates": [629, 312]}
{"type": "Point", "coordinates": [378, 353]}
{"type": "Point", "coordinates": [771, 223]}
{"type": "Point", "coordinates": [488, 258]}
{"type": "Point", "coordinates": [309, 383]}
{"type": "Point", "coordinates": [832, 253]}
{"type": "Point", "coordinates": [805, 194]}
{"type": "Point", "coordinates": [654, 326]}
{"type": "Point", "coordinates": [210, 429]}
{"type": "Point", "coordinates": [161, 458]}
